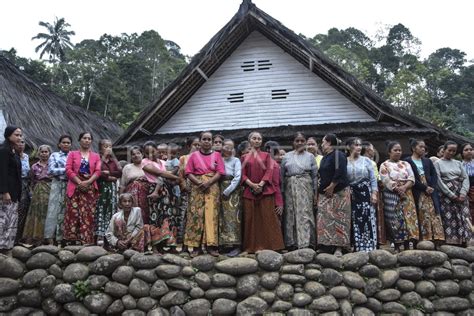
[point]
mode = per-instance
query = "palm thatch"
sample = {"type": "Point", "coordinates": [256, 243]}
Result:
{"type": "Point", "coordinates": [43, 115]}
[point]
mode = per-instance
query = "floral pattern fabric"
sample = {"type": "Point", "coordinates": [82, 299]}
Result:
{"type": "Point", "coordinates": [364, 226]}
{"type": "Point", "coordinates": [56, 209]}
{"type": "Point", "coordinates": [230, 216]}
{"type": "Point", "coordinates": [35, 221]}
{"type": "Point", "coordinates": [106, 206]}
{"type": "Point", "coordinates": [431, 224]}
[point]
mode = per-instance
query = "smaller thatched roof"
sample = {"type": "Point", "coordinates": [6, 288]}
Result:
{"type": "Point", "coordinates": [42, 114]}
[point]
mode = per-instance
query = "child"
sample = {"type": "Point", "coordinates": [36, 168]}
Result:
{"type": "Point", "coordinates": [172, 165]}
{"type": "Point", "coordinates": [162, 152]}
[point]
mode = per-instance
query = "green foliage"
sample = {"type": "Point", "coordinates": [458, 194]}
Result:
{"type": "Point", "coordinates": [81, 289]}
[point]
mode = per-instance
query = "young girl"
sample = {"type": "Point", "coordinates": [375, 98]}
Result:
{"type": "Point", "coordinates": [204, 168]}
{"type": "Point", "coordinates": [126, 229]}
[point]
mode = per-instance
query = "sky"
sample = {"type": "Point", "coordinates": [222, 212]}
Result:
{"type": "Point", "coordinates": [191, 23]}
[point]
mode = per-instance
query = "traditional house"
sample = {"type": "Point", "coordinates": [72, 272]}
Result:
{"type": "Point", "coordinates": [256, 74]}
{"type": "Point", "coordinates": [43, 115]}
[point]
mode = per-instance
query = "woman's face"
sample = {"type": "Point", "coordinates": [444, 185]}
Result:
{"type": "Point", "coordinates": [217, 144]}
{"type": "Point", "coordinates": [85, 141]}
{"type": "Point", "coordinates": [440, 153]}
{"type": "Point", "coordinates": [420, 149]}
{"type": "Point", "coordinates": [450, 152]}
{"type": "Point", "coordinates": [228, 149]}
{"type": "Point", "coordinates": [356, 148]}
{"type": "Point", "coordinates": [299, 143]}
{"type": "Point", "coordinates": [150, 152]}
{"type": "Point", "coordinates": [370, 151]}
{"type": "Point", "coordinates": [195, 145]}
{"type": "Point", "coordinates": [467, 152]}
{"type": "Point", "coordinates": [106, 148]}
{"type": "Point", "coordinates": [326, 145]}
{"type": "Point", "coordinates": [16, 137]}
{"type": "Point", "coordinates": [255, 140]}
{"type": "Point", "coordinates": [206, 141]}
{"type": "Point", "coordinates": [312, 146]}
{"type": "Point", "coordinates": [137, 156]}
{"type": "Point", "coordinates": [396, 152]}
{"type": "Point", "coordinates": [44, 154]}
{"type": "Point", "coordinates": [65, 145]}
{"type": "Point", "coordinates": [126, 203]}
{"type": "Point", "coordinates": [21, 146]}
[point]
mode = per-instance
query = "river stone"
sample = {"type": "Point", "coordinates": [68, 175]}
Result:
{"type": "Point", "coordinates": [203, 280]}
{"type": "Point", "coordinates": [281, 306]}
{"type": "Point", "coordinates": [346, 307]}
{"type": "Point", "coordinates": [223, 306]}
{"type": "Point", "coordinates": [314, 289]}
{"type": "Point", "coordinates": [421, 258]}
{"type": "Point", "coordinates": [304, 312]}
{"type": "Point", "coordinates": [177, 260]}
{"type": "Point", "coordinates": [179, 284]}
{"type": "Point", "coordinates": [285, 291]}
{"type": "Point", "coordinates": [312, 274]}
{"type": "Point", "coordinates": [373, 304]}
{"type": "Point", "coordinates": [415, 312]}
{"type": "Point", "coordinates": [146, 303]}
{"type": "Point", "coordinates": [97, 282]}
{"type": "Point", "coordinates": [447, 265]}
{"type": "Point", "coordinates": [382, 258]}
{"type": "Point", "coordinates": [198, 307]}
{"type": "Point", "coordinates": [148, 276]}
{"type": "Point", "coordinates": [339, 292]}
{"type": "Point", "coordinates": [438, 273]}
{"type": "Point", "coordinates": [353, 280]}
{"type": "Point", "coordinates": [447, 288]}
{"type": "Point", "coordinates": [251, 306]}
{"type": "Point", "coordinates": [353, 261]}
{"type": "Point", "coordinates": [56, 271]}
{"type": "Point", "coordinates": [357, 297]}
{"type": "Point", "coordinates": [47, 285]}
{"type": "Point", "coordinates": [42, 260]}
{"type": "Point", "coordinates": [330, 277]}
{"type": "Point", "coordinates": [75, 272]}
{"type": "Point", "coordinates": [411, 299]}
{"type": "Point", "coordinates": [228, 293]}
{"type": "Point", "coordinates": [77, 309]}
{"type": "Point", "coordinates": [11, 268]}
{"type": "Point", "coordinates": [247, 285]}
{"type": "Point", "coordinates": [196, 292]}
{"type": "Point", "coordinates": [292, 269]}
{"type": "Point", "coordinates": [20, 311]}
{"type": "Point", "coordinates": [106, 265]}
{"type": "Point", "coordinates": [425, 288]}
{"type": "Point", "coordinates": [137, 312]}
{"type": "Point", "coordinates": [45, 248]}
{"type": "Point", "coordinates": [305, 255]}
{"type": "Point", "coordinates": [394, 307]}
{"type": "Point", "coordinates": [269, 260]}
{"type": "Point", "coordinates": [451, 304]}
{"type": "Point", "coordinates": [293, 278]}
{"type": "Point", "coordinates": [129, 302]}
{"type": "Point", "coordinates": [50, 307]}
{"type": "Point", "coordinates": [64, 293]}
{"type": "Point", "coordinates": [161, 312]}
{"type": "Point", "coordinates": [188, 272]}
{"type": "Point", "coordinates": [405, 285]}
{"type": "Point", "coordinates": [389, 277]}
{"type": "Point", "coordinates": [373, 286]}
{"type": "Point", "coordinates": [139, 288]}
{"type": "Point", "coordinates": [237, 266]}
{"type": "Point", "coordinates": [90, 253]}
{"type": "Point", "coordinates": [465, 287]}
{"type": "Point", "coordinates": [223, 280]}
{"type": "Point", "coordinates": [173, 298]}
{"type": "Point", "coordinates": [129, 253]}
{"type": "Point", "coordinates": [325, 303]}
{"type": "Point", "coordinates": [459, 262]}
{"type": "Point", "coordinates": [159, 289]}
{"type": "Point", "coordinates": [8, 286]}
{"type": "Point", "coordinates": [29, 297]}
{"type": "Point", "coordinates": [369, 271]}
{"type": "Point", "coordinates": [74, 248]}
{"type": "Point", "coordinates": [21, 253]}
{"type": "Point", "coordinates": [33, 278]}
{"type": "Point", "coordinates": [66, 256]}
{"type": "Point", "coordinates": [425, 245]}
{"type": "Point", "coordinates": [168, 271]}
{"type": "Point", "coordinates": [116, 289]}
{"type": "Point", "coordinates": [116, 308]}
{"type": "Point", "coordinates": [410, 273]}
{"type": "Point", "coordinates": [455, 252]}
{"type": "Point", "coordinates": [97, 303]}
{"type": "Point", "coordinates": [329, 261]}
{"type": "Point", "coordinates": [267, 296]}
{"type": "Point", "coordinates": [269, 280]}
{"type": "Point", "coordinates": [7, 303]}
{"type": "Point", "coordinates": [462, 272]}
{"type": "Point", "coordinates": [123, 274]}
{"type": "Point", "coordinates": [388, 295]}
{"type": "Point", "coordinates": [203, 263]}
{"type": "Point", "coordinates": [362, 311]}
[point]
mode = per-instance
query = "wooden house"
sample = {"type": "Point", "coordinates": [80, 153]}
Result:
{"type": "Point", "coordinates": [256, 74]}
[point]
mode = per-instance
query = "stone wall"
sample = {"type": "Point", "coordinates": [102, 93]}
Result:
{"type": "Point", "coordinates": [83, 281]}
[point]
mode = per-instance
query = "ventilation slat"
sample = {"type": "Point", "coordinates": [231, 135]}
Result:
{"type": "Point", "coordinates": [279, 94]}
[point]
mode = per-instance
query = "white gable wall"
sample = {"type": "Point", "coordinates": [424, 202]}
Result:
{"type": "Point", "coordinates": [310, 100]}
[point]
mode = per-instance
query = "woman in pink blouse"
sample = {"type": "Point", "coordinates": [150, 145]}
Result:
{"type": "Point", "coordinates": [83, 170]}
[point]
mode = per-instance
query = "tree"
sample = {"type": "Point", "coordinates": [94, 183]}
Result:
{"type": "Point", "coordinates": [55, 41]}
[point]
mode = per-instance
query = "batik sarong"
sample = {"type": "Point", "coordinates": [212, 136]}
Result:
{"type": "Point", "coordinates": [53, 226]}
{"type": "Point", "coordinates": [364, 225]}
{"type": "Point", "coordinates": [35, 221]}
{"type": "Point", "coordinates": [400, 216]}
{"type": "Point", "coordinates": [230, 216]}
{"type": "Point", "coordinates": [106, 206]}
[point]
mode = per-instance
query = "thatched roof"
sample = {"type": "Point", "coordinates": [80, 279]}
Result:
{"type": "Point", "coordinates": [42, 114]}
{"type": "Point", "coordinates": [249, 18]}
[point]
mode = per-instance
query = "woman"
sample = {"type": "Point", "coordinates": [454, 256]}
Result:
{"type": "Point", "coordinates": [299, 175]}
{"type": "Point", "coordinates": [424, 191]}
{"type": "Point", "coordinates": [25, 199]}
{"type": "Point", "coordinates": [334, 206]}
{"type": "Point", "coordinates": [399, 205]}
{"type": "Point", "coordinates": [41, 186]}
{"type": "Point", "coordinates": [468, 163]}
{"type": "Point", "coordinates": [111, 171]}
{"type": "Point", "coordinates": [204, 169]}
{"type": "Point", "coordinates": [453, 183]}
{"type": "Point", "coordinates": [439, 154]}
{"type": "Point", "coordinates": [262, 228]}
{"type": "Point", "coordinates": [217, 142]}
{"type": "Point", "coordinates": [243, 148]}
{"type": "Point", "coordinates": [312, 147]}
{"type": "Point", "coordinates": [364, 196]}
{"type": "Point", "coordinates": [126, 229]}
{"type": "Point", "coordinates": [230, 212]}
{"type": "Point", "coordinates": [56, 206]}
{"type": "Point", "coordinates": [82, 170]}
{"type": "Point", "coordinates": [10, 186]}
{"type": "Point", "coordinates": [162, 202]}
{"type": "Point", "coordinates": [134, 181]}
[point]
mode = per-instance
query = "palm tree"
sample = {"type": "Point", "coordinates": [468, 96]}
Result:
{"type": "Point", "coordinates": [56, 40]}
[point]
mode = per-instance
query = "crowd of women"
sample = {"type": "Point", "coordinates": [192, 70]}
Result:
{"type": "Point", "coordinates": [217, 197]}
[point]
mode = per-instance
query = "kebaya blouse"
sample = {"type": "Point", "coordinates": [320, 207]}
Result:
{"type": "Point", "coordinates": [200, 163]}
{"type": "Point", "coordinates": [257, 166]}
{"type": "Point", "coordinates": [160, 164]}
{"type": "Point", "coordinates": [394, 173]}
{"type": "Point", "coordinates": [39, 173]}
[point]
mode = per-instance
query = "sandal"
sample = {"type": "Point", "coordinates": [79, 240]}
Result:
{"type": "Point", "coordinates": [213, 252]}
{"type": "Point", "coordinates": [195, 253]}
